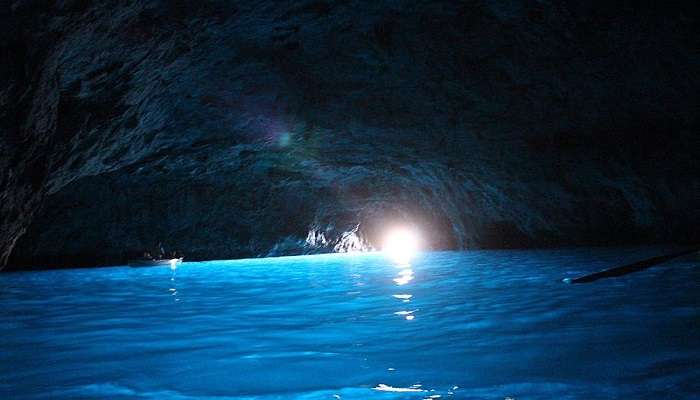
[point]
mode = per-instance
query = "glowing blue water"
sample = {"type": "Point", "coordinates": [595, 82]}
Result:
{"type": "Point", "coordinates": [468, 325]}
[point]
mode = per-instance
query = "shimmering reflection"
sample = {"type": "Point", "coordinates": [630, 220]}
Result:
{"type": "Point", "coordinates": [405, 276]}
{"type": "Point", "coordinates": [406, 314]}
{"type": "Point", "coordinates": [403, 297]}
{"type": "Point", "coordinates": [173, 288]}
{"type": "Point", "coordinates": [386, 388]}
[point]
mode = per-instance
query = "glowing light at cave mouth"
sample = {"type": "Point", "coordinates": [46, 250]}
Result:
{"type": "Point", "coordinates": [401, 245]}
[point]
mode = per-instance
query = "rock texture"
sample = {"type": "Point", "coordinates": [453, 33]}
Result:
{"type": "Point", "coordinates": [230, 129]}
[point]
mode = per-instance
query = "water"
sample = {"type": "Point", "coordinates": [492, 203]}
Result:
{"type": "Point", "coordinates": [462, 325]}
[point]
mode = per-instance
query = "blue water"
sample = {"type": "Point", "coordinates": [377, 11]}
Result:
{"type": "Point", "coordinates": [462, 325]}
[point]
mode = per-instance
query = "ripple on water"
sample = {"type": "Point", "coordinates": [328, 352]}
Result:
{"type": "Point", "coordinates": [467, 325]}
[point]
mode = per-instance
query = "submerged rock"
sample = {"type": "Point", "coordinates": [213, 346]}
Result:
{"type": "Point", "coordinates": [310, 126]}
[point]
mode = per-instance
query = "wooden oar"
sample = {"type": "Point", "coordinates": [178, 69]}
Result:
{"type": "Point", "coordinates": [627, 269]}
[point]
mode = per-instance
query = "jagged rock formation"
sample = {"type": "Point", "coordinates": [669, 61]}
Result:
{"type": "Point", "coordinates": [258, 128]}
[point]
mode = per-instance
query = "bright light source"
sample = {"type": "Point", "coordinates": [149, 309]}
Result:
{"type": "Point", "coordinates": [401, 245]}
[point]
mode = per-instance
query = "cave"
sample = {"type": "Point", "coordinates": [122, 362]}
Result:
{"type": "Point", "coordinates": [241, 130]}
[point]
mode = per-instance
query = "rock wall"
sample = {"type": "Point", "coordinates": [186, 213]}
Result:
{"type": "Point", "coordinates": [254, 128]}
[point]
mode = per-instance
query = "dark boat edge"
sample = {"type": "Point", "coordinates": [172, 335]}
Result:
{"type": "Point", "coordinates": [630, 268]}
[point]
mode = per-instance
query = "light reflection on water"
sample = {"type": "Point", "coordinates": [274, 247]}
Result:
{"type": "Point", "coordinates": [467, 325]}
{"type": "Point", "coordinates": [404, 277]}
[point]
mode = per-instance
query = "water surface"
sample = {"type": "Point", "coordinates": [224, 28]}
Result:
{"type": "Point", "coordinates": [459, 325]}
